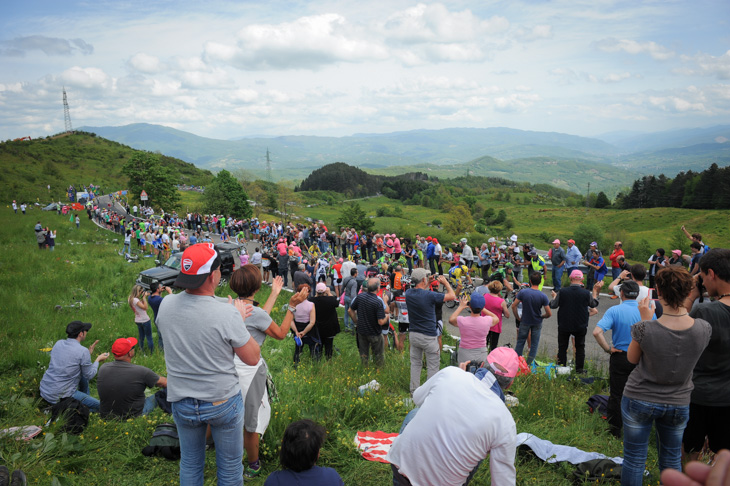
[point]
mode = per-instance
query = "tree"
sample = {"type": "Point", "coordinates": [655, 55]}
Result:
{"type": "Point", "coordinates": [225, 195]}
{"type": "Point", "coordinates": [459, 220]}
{"type": "Point", "coordinates": [353, 216]}
{"type": "Point", "coordinates": [146, 173]}
{"type": "Point", "coordinates": [602, 200]}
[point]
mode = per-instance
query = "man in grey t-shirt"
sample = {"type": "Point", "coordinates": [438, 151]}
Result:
{"type": "Point", "coordinates": [202, 334]}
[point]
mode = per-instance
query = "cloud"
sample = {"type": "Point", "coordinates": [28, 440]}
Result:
{"type": "Point", "coordinates": [536, 33]}
{"type": "Point", "coordinates": [308, 42]}
{"type": "Point", "coordinates": [707, 65]}
{"type": "Point", "coordinates": [145, 63]}
{"type": "Point", "coordinates": [569, 76]}
{"type": "Point", "coordinates": [51, 46]}
{"type": "Point", "coordinates": [436, 24]}
{"type": "Point", "coordinates": [515, 102]}
{"type": "Point", "coordinates": [85, 77]}
{"type": "Point", "coordinates": [656, 51]}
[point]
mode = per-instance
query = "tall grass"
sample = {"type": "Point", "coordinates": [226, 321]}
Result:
{"type": "Point", "coordinates": [33, 282]}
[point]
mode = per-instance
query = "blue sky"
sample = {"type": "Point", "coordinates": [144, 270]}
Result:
{"type": "Point", "coordinates": [227, 69]}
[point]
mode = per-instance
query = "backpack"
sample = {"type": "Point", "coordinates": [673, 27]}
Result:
{"type": "Point", "coordinates": [74, 412]}
{"type": "Point", "coordinates": [597, 470]}
{"type": "Point", "coordinates": [164, 442]}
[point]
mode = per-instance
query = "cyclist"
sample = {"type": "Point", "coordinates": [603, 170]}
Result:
{"type": "Point", "coordinates": [459, 272]}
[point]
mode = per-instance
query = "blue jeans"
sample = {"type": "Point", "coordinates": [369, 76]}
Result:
{"type": "Point", "coordinates": [145, 331]}
{"type": "Point", "coordinates": [522, 339]}
{"type": "Point", "coordinates": [82, 395]}
{"type": "Point", "coordinates": [615, 272]}
{"type": "Point", "coordinates": [159, 338]}
{"type": "Point", "coordinates": [348, 322]}
{"type": "Point", "coordinates": [398, 478]}
{"type": "Point", "coordinates": [149, 404]}
{"type": "Point", "coordinates": [638, 417]}
{"type": "Point", "coordinates": [557, 277]}
{"type": "Point", "coordinates": [226, 424]}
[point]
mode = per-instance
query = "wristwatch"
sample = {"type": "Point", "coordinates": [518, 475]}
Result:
{"type": "Point", "coordinates": [291, 309]}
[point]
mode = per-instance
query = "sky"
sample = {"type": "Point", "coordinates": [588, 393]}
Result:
{"type": "Point", "coordinates": [224, 69]}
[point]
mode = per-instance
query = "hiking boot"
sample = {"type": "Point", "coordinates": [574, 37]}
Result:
{"type": "Point", "coordinates": [4, 476]}
{"type": "Point", "coordinates": [250, 473]}
{"type": "Point", "coordinates": [18, 478]}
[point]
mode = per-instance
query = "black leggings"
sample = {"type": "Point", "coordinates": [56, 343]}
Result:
{"type": "Point", "coordinates": [492, 340]}
{"type": "Point", "coordinates": [327, 343]}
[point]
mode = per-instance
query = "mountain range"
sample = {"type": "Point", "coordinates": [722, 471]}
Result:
{"type": "Point", "coordinates": [609, 161]}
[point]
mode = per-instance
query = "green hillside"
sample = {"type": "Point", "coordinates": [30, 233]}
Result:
{"type": "Point", "coordinates": [28, 167]}
{"type": "Point", "coordinates": [568, 174]}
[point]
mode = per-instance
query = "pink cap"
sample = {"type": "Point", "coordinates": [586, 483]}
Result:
{"type": "Point", "coordinates": [677, 252]}
{"type": "Point", "coordinates": [321, 287]}
{"type": "Point", "coordinates": [556, 241]}
{"type": "Point", "coordinates": [507, 358]}
{"type": "Point", "coordinates": [576, 274]}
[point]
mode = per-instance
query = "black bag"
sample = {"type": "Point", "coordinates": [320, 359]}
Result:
{"type": "Point", "coordinates": [75, 414]}
{"type": "Point", "coordinates": [597, 470]}
{"type": "Point", "coordinates": [598, 403]}
{"type": "Point", "coordinates": [164, 442]}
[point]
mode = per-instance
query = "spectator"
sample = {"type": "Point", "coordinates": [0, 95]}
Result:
{"type": "Point", "coordinates": [203, 333]}
{"type": "Point", "coordinates": [246, 282]}
{"type": "Point", "coordinates": [368, 313]}
{"type": "Point", "coordinates": [618, 320]}
{"type": "Point", "coordinates": [305, 322]}
{"type": "Point", "coordinates": [328, 324]}
{"type": "Point", "coordinates": [574, 303]}
{"type": "Point", "coordinates": [422, 323]}
{"type": "Point", "coordinates": [446, 449]}
{"type": "Point", "coordinates": [70, 369]}
{"type": "Point", "coordinates": [558, 259]}
{"type": "Point", "coordinates": [709, 409]}
{"type": "Point", "coordinates": [614, 257]}
{"type": "Point", "coordinates": [658, 390]}
{"type": "Point", "coordinates": [573, 255]}
{"type": "Point", "coordinates": [121, 384]}
{"type": "Point", "coordinates": [473, 329]}
{"type": "Point", "coordinates": [533, 302]}
{"type": "Point", "coordinates": [139, 305]}
{"type": "Point", "coordinates": [154, 301]}
{"type": "Point", "coordinates": [299, 454]}
{"type": "Point", "coordinates": [497, 305]}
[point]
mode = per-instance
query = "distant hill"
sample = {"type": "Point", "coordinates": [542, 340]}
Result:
{"type": "Point", "coordinates": [28, 167]}
{"type": "Point", "coordinates": [294, 157]}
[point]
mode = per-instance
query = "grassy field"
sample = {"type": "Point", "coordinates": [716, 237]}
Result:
{"type": "Point", "coordinates": [34, 282]}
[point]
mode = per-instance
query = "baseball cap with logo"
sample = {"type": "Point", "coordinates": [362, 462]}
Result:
{"type": "Point", "coordinates": [197, 263]}
{"type": "Point", "coordinates": [576, 274]}
{"type": "Point", "coordinates": [630, 289]}
{"type": "Point", "coordinates": [123, 345]}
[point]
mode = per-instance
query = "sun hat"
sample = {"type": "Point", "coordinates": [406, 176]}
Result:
{"type": "Point", "coordinates": [197, 263]}
{"type": "Point", "coordinates": [506, 358]}
{"type": "Point", "coordinates": [513, 238]}
{"type": "Point", "coordinates": [123, 345]}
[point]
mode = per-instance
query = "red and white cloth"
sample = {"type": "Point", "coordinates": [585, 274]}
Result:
{"type": "Point", "coordinates": [374, 446]}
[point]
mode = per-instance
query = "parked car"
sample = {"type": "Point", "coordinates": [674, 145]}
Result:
{"type": "Point", "coordinates": [166, 273]}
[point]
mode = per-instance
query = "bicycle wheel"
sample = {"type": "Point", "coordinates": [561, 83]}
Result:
{"type": "Point", "coordinates": [451, 304]}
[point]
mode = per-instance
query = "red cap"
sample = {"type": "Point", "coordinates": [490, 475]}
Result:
{"type": "Point", "coordinates": [571, 241]}
{"type": "Point", "coordinates": [428, 238]}
{"type": "Point", "coordinates": [435, 240]}
{"type": "Point", "coordinates": [197, 263]}
{"type": "Point", "coordinates": [123, 345]}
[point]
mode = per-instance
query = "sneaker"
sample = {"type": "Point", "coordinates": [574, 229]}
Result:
{"type": "Point", "coordinates": [18, 478]}
{"type": "Point", "coordinates": [614, 297]}
{"type": "Point", "coordinates": [250, 473]}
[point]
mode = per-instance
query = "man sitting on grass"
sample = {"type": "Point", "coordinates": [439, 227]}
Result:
{"type": "Point", "coordinates": [121, 384]}
{"type": "Point", "coordinates": [70, 369]}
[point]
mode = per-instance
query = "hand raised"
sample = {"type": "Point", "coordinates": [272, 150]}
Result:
{"type": "Point", "coordinates": [645, 309]}
{"type": "Point", "coordinates": [277, 285]}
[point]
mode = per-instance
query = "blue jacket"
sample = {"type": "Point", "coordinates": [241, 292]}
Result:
{"type": "Point", "coordinates": [429, 250]}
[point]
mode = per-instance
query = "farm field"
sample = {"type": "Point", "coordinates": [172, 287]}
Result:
{"type": "Point", "coordinates": [86, 268]}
